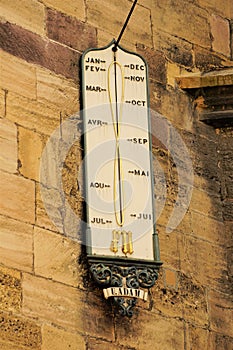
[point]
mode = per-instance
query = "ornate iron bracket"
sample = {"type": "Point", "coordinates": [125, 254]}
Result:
{"type": "Point", "coordinates": [124, 280]}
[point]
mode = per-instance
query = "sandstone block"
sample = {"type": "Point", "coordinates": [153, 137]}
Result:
{"type": "Point", "coordinates": [104, 38]}
{"type": "Point", "coordinates": [193, 296]}
{"type": "Point", "coordinates": [169, 246]}
{"type": "Point", "coordinates": [5, 345]}
{"type": "Point", "coordinates": [17, 197]}
{"type": "Point", "coordinates": [33, 48]}
{"type": "Point", "coordinates": [206, 60]}
{"type": "Point", "coordinates": [54, 302]}
{"type": "Point", "coordinates": [152, 332]}
{"type": "Point", "coordinates": [228, 210]}
{"type": "Point", "coordinates": [56, 338]}
{"type": "Point", "coordinates": [50, 218]}
{"type": "Point", "coordinates": [30, 149]}
{"type": "Point", "coordinates": [94, 344]}
{"type": "Point", "coordinates": [16, 244]}
{"type": "Point", "coordinates": [17, 76]}
{"type": "Point", "coordinates": [220, 306]}
{"type": "Point", "coordinates": [223, 8]}
{"type": "Point", "coordinates": [19, 331]}
{"type": "Point", "coordinates": [176, 107]}
{"type": "Point", "coordinates": [209, 229]}
{"type": "Point", "coordinates": [156, 62]}
{"type": "Point", "coordinates": [166, 299]}
{"type": "Point", "coordinates": [32, 114]}
{"type": "Point", "coordinates": [56, 257]}
{"type": "Point", "coordinates": [113, 16]}
{"type": "Point", "coordinates": [211, 273]}
{"type": "Point", "coordinates": [28, 14]}
{"type": "Point", "coordinates": [219, 341]}
{"type": "Point", "coordinates": [220, 30]}
{"type": "Point", "coordinates": [8, 146]}
{"type": "Point", "coordinates": [197, 338]}
{"type": "Point", "coordinates": [57, 92]}
{"type": "Point", "coordinates": [10, 290]}
{"type": "Point", "coordinates": [70, 8]}
{"type": "Point", "coordinates": [206, 204]}
{"type": "Point", "coordinates": [66, 307]}
{"type": "Point", "coordinates": [70, 31]}
{"type": "Point", "coordinates": [183, 299]}
{"type": "Point", "coordinates": [174, 48]}
{"type": "Point", "coordinates": [170, 278]}
{"type": "Point", "coordinates": [173, 70]}
{"type": "Point", "coordinates": [2, 103]}
{"type": "Point", "coordinates": [184, 20]}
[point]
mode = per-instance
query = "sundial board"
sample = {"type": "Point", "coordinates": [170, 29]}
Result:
{"type": "Point", "coordinates": [118, 166]}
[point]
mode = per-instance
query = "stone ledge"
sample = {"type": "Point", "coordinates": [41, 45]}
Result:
{"type": "Point", "coordinates": [210, 79]}
{"type": "Point", "coordinates": [213, 95]}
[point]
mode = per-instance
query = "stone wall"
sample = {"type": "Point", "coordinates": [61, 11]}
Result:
{"type": "Point", "coordinates": [47, 300]}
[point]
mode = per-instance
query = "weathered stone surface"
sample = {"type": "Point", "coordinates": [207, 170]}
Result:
{"type": "Point", "coordinates": [3, 94]}
{"type": "Point", "coordinates": [169, 246]}
{"type": "Point", "coordinates": [28, 14]}
{"type": "Point", "coordinates": [55, 257]}
{"type": "Point", "coordinates": [8, 345]}
{"type": "Point", "coordinates": [76, 9]}
{"type": "Point", "coordinates": [231, 41]}
{"type": "Point", "coordinates": [34, 115]}
{"type": "Point", "coordinates": [174, 48]}
{"type": "Point", "coordinates": [17, 76]}
{"type": "Point", "coordinates": [104, 38]}
{"type": "Point", "coordinates": [152, 332]}
{"type": "Point", "coordinates": [220, 306]}
{"type": "Point", "coordinates": [156, 62]}
{"type": "Point", "coordinates": [207, 61]}
{"type": "Point", "coordinates": [177, 108]}
{"type": "Point", "coordinates": [95, 344]}
{"type": "Point", "coordinates": [65, 306]}
{"type": "Point", "coordinates": [173, 70]}
{"type": "Point", "coordinates": [20, 332]}
{"type": "Point", "coordinates": [57, 92]}
{"type": "Point", "coordinates": [35, 49]}
{"type": "Point", "coordinates": [70, 31]}
{"type": "Point", "coordinates": [56, 338]}
{"type": "Point", "coordinates": [225, 9]}
{"type": "Point", "coordinates": [228, 210]}
{"type": "Point", "coordinates": [197, 338]}
{"type": "Point", "coordinates": [113, 16]}
{"type": "Point", "coordinates": [193, 297]}
{"type": "Point", "coordinates": [53, 302]}
{"type": "Point", "coordinates": [220, 31]}
{"type": "Point", "coordinates": [218, 341]}
{"type": "Point", "coordinates": [209, 229]}
{"type": "Point", "coordinates": [184, 299]}
{"type": "Point", "coordinates": [184, 20]}
{"type": "Point", "coordinates": [8, 146]}
{"type": "Point", "coordinates": [201, 152]}
{"type": "Point", "coordinates": [52, 218]}
{"type": "Point", "coordinates": [16, 244]}
{"type": "Point", "coordinates": [10, 289]}
{"type": "Point", "coordinates": [206, 204]}
{"type": "Point", "coordinates": [199, 80]}
{"type": "Point", "coordinates": [213, 272]}
{"type": "Point", "coordinates": [23, 192]}
{"type": "Point", "coordinates": [30, 149]}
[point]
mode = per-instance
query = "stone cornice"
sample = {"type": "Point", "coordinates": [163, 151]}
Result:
{"type": "Point", "coordinates": [213, 95]}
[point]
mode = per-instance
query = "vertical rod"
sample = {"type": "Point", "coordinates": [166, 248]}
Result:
{"type": "Point", "coordinates": [124, 26]}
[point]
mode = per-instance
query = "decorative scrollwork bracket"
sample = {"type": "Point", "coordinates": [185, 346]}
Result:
{"type": "Point", "coordinates": [124, 280]}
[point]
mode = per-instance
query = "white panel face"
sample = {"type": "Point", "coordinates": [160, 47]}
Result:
{"type": "Point", "coordinates": [118, 176]}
